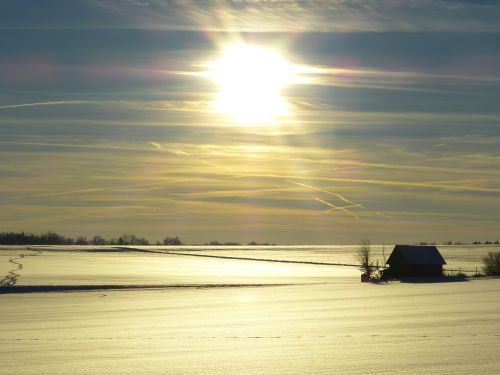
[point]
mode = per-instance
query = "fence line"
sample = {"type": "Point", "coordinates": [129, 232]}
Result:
{"type": "Point", "coordinates": [460, 270]}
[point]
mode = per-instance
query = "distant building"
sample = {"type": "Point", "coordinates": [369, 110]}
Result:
{"type": "Point", "coordinates": [408, 260]}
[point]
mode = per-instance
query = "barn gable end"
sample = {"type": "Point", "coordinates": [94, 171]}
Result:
{"type": "Point", "coordinates": [406, 260]}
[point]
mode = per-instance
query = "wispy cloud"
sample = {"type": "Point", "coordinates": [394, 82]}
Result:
{"type": "Point", "coordinates": [278, 15]}
{"type": "Point", "coordinates": [396, 75]}
{"type": "Point", "coordinates": [388, 183]}
{"type": "Point", "coordinates": [419, 81]}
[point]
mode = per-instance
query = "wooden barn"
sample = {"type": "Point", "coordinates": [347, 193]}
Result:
{"type": "Point", "coordinates": [409, 260]}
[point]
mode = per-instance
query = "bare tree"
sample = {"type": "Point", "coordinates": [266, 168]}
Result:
{"type": "Point", "coordinates": [172, 241]}
{"type": "Point", "coordinates": [365, 258]}
{"type": "Point", "coordinates": [98, 240]}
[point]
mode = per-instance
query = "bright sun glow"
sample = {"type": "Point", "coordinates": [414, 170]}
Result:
{"type": "Point", "coordinates": [250, 80]}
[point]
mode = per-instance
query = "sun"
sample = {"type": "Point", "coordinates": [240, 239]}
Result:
{"type": "Point", "coordinates": [251, 80]}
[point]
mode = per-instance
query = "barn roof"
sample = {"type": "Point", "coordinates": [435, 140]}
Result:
{"type": "Point", "coordinates": [413, 254]}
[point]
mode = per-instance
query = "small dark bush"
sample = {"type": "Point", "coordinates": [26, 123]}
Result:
{"type": "Point", "coordinates": [491, 263]}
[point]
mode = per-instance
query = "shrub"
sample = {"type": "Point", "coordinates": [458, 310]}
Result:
{"type": "Point", "coordinates": [491, 263]}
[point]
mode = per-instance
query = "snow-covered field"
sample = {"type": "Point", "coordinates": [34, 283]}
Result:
{"type": "Point", "coordinates": [204, 317]}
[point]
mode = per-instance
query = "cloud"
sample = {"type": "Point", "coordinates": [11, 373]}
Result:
{"type": "Point", "coordinates": [302, 15]}
{"type": "Point", "coordinates": [396, 80]}
{"type": "Point", "coordinates": [252, 15]}
{"type": "Point", "coordinates": [142, 192]}
{"type": "Point", "coordinates": [450, 187]}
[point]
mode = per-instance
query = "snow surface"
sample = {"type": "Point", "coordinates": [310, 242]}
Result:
{"type": "Point", "coordinates": [327, 322]}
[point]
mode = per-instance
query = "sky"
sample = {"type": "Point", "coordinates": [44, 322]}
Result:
{"type": "Point", "coordinates": [108, 126]}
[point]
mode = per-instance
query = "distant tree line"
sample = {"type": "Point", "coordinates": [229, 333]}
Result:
{"type": "Point", "coordinates": [253, 243]}
{"type": "Point", "coordinates": [460, 243]}
{"type": "Point", "coordinates": [25, 238]}
{"type": "Point", "coordinates": [172, 241]}
{"type": "Point", "coordinates": [52, 238]}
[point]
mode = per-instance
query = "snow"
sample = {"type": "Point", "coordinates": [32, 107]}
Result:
{"type": "Point", "coordinates": [323, 321]}
{"type": "Point", "coordinates": [77, 268]}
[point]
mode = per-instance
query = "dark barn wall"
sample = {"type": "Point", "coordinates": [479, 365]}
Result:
{"type": "Point", "coordinates": [427, 270]}
{"type": "Point", "coordinates": [399, 268]}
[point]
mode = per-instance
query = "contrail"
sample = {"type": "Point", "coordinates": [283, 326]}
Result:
{"type": "Point", "coordinates": [415, 184]}
{"type": "Point", "coordinates": [384, 215]}
{"type": "Point", "coordinates": [94, 147]}
{"type": "Point", "coordinates": [342, 198]}
{"type": "Point", "coordinates": [338, 208]}
{"type": "Point", "coordinates": [156, 145]}
{"type": "Point", "coordinates": [36, 104]}
{"type": "Point", "coordinates": [96, 189]}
